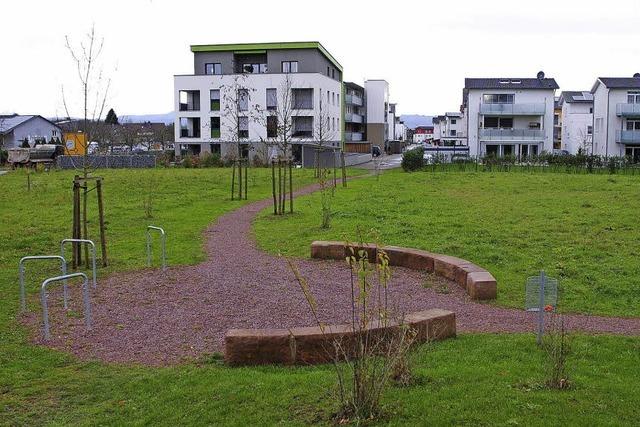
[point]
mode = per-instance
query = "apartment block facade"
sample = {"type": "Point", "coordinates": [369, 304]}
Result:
{"type": "Point", "coordinates": [509, 116]}
{"type": "Point", "coordinates": [576, 121]}
{"type": "Point", "coordinates": [259, 78]}
{"type": "Point", "coordinates": [378, 111]}
{"type": "Point", "coordinates": [616, 116]}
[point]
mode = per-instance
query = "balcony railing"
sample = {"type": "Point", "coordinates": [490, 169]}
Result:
{"type": "Point", "coordinates": [511, 134]}
{"type": "Point", "coordinates": [522, 109]}
{"type": "Point", "coordinates": [628, 110]}
{"type": "Point", "coordinates": [353, 136]}
{"type": "Point", "coordinates": [354, 100]}
{"type": "Point", "coordinates": [628, 137]}
{"type": "Point", "coordinates": [353, 118]}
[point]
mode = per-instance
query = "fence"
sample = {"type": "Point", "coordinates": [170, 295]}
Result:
{"type": "Point", "coordinates": [108, 161]}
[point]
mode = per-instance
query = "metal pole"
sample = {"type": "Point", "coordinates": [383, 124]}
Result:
{"type": "Point", "coordinates": [43, 300]}
{"type": "Point", "coordinates": [93, 252]}
{"type": "Point", "coordinates": [148, 248]}
{"type": "Point", "coordinates": [541, 307]}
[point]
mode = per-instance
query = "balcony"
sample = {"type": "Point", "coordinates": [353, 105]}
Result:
{"type": "Point", "coordinates": [353, 118]}
{"type": "Point", "coordinates": [521, 109]}
{"type": "Point", "coordinates": [511, 134]}
{"type": "Point", "coordinates": [628, 137]}
{"type": "Point", "coordinates": [353, 136]}
{"type": "Point", "coordinates": [628, 110]}
{"type": "Point", "coordinates": [353, 100]}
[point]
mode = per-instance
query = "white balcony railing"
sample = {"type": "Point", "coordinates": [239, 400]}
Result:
{"type": "Point", "coordinates": [628, 110]}
{"type": "Point", "coordinates": [353, 118]}
{"type": "Point", "coordinates": [628, 137]}
{"type": "Point", "coordinates": [353, 136]}
{"type": "Point", "coordinates": [353, 99]}
{"type": "Point", "coordinates": [511, 134]}
{"type": "Point", "coordinates": [522, 109]}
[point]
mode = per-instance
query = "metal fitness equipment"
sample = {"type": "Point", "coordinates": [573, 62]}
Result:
{"type": "Point", "coordinates": [63, 268]}
{"type": "Point", "coordinates": [85, 297]}
{"type": "Point", "coordinates": [164, 245]}
{"type": "Point", "coordinates": [93, 253]}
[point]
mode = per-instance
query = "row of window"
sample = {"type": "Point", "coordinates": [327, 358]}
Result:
{"type": "Point", "coordinates": [301, 99]}
{"type": "Point", "coordinates": [498, 98]}
{"type": "Point", "coordinates": [302, 126]}
{"type": "Point", "coordinates": [215, 68]}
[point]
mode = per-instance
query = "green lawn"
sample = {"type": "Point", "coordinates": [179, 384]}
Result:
{"type": "Point", "coordinates": [582, 229]}
{"type": "Point", "coordinates": [474, 379]}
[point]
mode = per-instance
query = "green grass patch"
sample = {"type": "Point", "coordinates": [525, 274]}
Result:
{"type": "Point", "coordinates": [581, 229]}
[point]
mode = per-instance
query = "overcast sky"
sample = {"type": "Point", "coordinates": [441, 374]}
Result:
{"type": "Point", "coordinates": [423, 49]}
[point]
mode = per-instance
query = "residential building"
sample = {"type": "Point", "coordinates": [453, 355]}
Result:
{"type": "Point", "coordinates": [302, 75]}
{"type": "Point", "coordinates": [391, 123]}
{"type": "Point", "coordinates": [355, 140]}
{"type": "Point", "coordinates": [423, 135]}
{"type": "Point", "coordinates": [557, 124]}
{"type": "Point", "coordinates": [576, 121]}
{"type": "Point", "coordinates": [453, 129]}
{"type": "Point", "coordinates": [616, 116]}
{"type": "Point", "coordinates": [16, 129]}
{"type": "Point", "coordinates": [509, 116]}
{"type": "Point", "coordinates": [400, 130]}
{"type": "Point", "coordinates": [378, 109]}
{"type": "Point", "coordinates": [439, 128]}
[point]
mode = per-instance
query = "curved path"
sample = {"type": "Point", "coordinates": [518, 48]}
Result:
{"type": "Point", "coordinates": [158, 318]}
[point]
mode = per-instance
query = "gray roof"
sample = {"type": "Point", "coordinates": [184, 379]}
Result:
{"type": "Point", "coordinates": [7, 123]}
{"type": "Point", "coordinates": [575, 97]}
{"type": "Point", "coordinates": [453, 114]}
{"type": "Point", "coordinates": [510, 83]}
{"type": "Point", "coordinates": [621, 82]}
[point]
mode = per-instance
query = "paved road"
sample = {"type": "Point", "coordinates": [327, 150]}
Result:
{"type": "Point", "coordinates": [385, 162]}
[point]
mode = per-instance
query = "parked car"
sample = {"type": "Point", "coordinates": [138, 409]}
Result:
{"type": "Point", "coordinates": [376, 151]}
{"type": "Point", "coordinates": [561, 152]}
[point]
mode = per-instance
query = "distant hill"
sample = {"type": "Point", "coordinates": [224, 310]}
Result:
{"type": "Point", "coordinates": [414, 120]}
{"type": "Point", "coordinates": [141, 118]}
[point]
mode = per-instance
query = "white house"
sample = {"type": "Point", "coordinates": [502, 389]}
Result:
{"type": "Point", "coordinates": [577, 121]}
{"type": "Point", "coordinates": [15, 129]}
{"type": "Point", "coordinates": [509, 116]}
{"type": "Point", "coordinates": [453, 129]}
{"type": "Point", "coordinates": [264, 71]}
{"type": "Point", "coordinates": [616, 116]}
{"type": "Point", "coordinates": [400, 130]}
{"type": "Point", "coordinates": [378, 109]}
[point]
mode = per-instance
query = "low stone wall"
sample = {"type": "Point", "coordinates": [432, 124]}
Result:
{"type": "Point", "coordinates": [477, 281]}
{"type": "Point", "coordinates": [108, 161]}
{"type": "Point", "coordinates": [310, 345]}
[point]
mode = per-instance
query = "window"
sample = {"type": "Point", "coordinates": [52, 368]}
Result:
{"type": "Point", "coordinates": [254, 68]}
{"type": "Point", "coordinates": [333, 98]}
{"type": "Point", "coordinates": [452, 132]}
{"type": "Point", "coordinates": [272, 126]}
{"type": "Point", "coordinates": [498, 122]}
{"type": "Point", "coordinates": [453, 121]}
{"type": "Point", "coordinates": [189, 127]}
{"type": "Point", "coordinates": [215, 127]}
{"type": "Point", "coordinates": [534, 125]}
{"type": "Point", "coordinates": [302, 99]}
{"type": "Point", "coordinates": [189, 100]}
{"type": "Point", "coordinates": [633, 124]}
{"type": "Point", "coordinates": [213, 68]}
{"type": "Point", "coordinates": [333, 123]}
{"type": "Point", "coordinates": [327, 71]}
{"type": "Point", "coordinates": [589, 130]}
{"type": "Point", "coordinates": [556, 119]}
{"type": "Point", "coordinates": [633, 97]}
{"type": "Point", "coordinates": [338, 98]}
{"type": "Point", "coordinates": [289, 66]}
{"type": "Point", "coordinates": [302, 126]}
{"type": "Point", "coordinates": [214, 96]}
{"type": "Point", "coordinates": [500, 98]}
{"type": "Point", "coordinates": [590, 110]}
{"type": "Point", "coordinates": [599, 124]}
{"type": "Point", "coordinates": [328, 97]}
{"type": "Point", "coordinates": [243, 127]}
{"type": "Point", "coordinates": [272, 99]}
{"type": "Point", "coordinates": [243, 100]}
{"type": "Point", "coordinates": [333, 73]}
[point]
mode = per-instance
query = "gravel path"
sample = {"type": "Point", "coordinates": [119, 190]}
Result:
{"type": "Point", "coordinates": [157, 318]}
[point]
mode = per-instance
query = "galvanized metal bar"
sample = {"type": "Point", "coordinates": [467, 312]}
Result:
{"type": "Point", "coordinates": [164, 245]}
{"type": "Point", "coordinates": [93, 254]}
{"type": "Point", "coordinates": [541, 307]}
{"type": "Point", "coordinates": [45, 308]}
{"type": "Point", "coordinates": [63, 268]}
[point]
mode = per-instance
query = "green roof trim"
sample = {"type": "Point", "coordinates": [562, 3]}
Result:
{"type": "Point", "coordinates": [247, 52]}
{"type": "Point", "coordinates": [261, 47]}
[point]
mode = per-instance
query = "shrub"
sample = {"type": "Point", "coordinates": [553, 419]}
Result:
{"type": "Point", "coordinates": [191, 161]}
{"type": "Point", "coordinates": [211, 160]}
{"type": "Point", "coordinates": [3, 156]}
{"type": "Point", "coordinates": [413, 160]}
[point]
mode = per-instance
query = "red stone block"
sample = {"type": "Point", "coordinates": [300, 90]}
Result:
{"type": "Point", "coordinates": [481, 285]}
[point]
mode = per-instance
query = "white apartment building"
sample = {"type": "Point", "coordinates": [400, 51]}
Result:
{"type": "Point", "coordinates": [576, 121]}
{"type": "Point", "coordinates": [453, 129]}
{"type": "Point", "coordinates": [509, 116]}
{"type": "Point", "coordinates": [264, 71]}
{"type": "Point", "coordinates": [378, 111]}
{"type": "Point", "coordinates": [400, 130]}
{"type": "Point", "coordinates": [616, 116]}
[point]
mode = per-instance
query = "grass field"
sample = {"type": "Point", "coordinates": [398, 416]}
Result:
{"type": "Point", "coordinates": [474, 379]}
{"type": "Point", "coordinates": [582, 229]}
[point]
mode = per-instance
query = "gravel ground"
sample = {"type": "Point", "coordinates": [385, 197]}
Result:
{"type": "Point", "coordinates": [160, 318]}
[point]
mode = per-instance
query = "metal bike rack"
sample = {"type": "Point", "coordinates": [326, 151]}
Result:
{"type": "Point", "coordinates": [85, 293]}
{"type": "Point", "coordinates": [63, 267]}
{"type": "Point", "coordinates": [164, 245]}
{"type": "Point", "coordinates": [93, 253]}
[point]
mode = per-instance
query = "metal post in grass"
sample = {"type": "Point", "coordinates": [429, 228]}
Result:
{"type": "Point", "coordinates": [541, 295]}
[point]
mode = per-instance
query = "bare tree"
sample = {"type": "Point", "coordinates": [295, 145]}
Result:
{"type": "Point", "coordinates": [323, 133]}
{"type": "Point", "coordinates": [279, 119]}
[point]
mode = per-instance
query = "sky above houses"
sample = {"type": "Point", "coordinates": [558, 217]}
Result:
{"type": "Point", "coordinates": [423, 49]}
